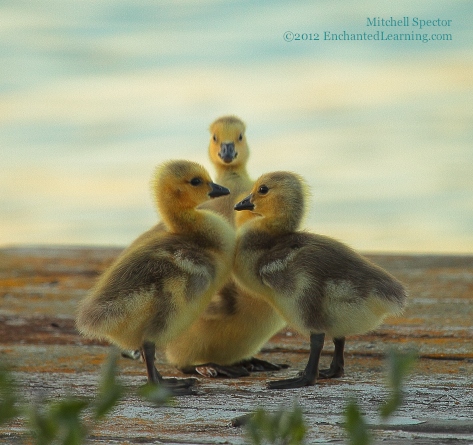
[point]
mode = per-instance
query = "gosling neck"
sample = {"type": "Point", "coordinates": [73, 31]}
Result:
{"type": "Point", "coordinates": [179, 218]}
{"type": "Point", "coordinates": [225, 170]}
{"type": "Point", "coordinates": [276, 226]}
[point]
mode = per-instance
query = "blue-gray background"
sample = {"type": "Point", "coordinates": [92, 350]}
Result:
{"type": "Point", "coordinates": [94, 94]}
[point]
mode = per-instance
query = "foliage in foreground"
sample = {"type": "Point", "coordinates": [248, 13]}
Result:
{"type": "Point", "coordinates": [288, 427]}
{"type": "Point", "coordinates": [279, 428]}
{"type": "Point", "coordinates": [70, 420]}
{"type": "Point", "coordinates": [400, 364]}
{"type": "Point", "coordinates": [8, 408]}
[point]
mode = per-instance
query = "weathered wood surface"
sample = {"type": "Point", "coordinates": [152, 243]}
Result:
{"type": "Point", "coordinates": [40, 288]}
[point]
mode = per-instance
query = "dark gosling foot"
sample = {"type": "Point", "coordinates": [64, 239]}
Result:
{"type": "Point", "coordinates": [257, 365]}
{"type": "Point", "coordinates": [331, 373]}
{"type": "Point", "coordinates": [155, 378]}
{"type": "Point", "coordinates": [158, 392]}
{"type": "Point", "coordinates": [172, 382]}
{"type": "Point", "coordinates": [309, 376]}
{"type": "Point", "coordinates": [214, 370]}
{"type": "Point", "coordinates": [133, 355]}
{"type": "Point", "coordinates": [242, 369]}
{"type": "Point", "coordinates": [176, 392]}
{"type": "Point", "coordinates": [296, 382]}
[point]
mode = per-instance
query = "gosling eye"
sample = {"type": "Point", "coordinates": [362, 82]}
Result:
{"type": "Point", "coordinates": [263, 190]}
{"type": "Point", "coordinates": [195, 181]}
{"type": "Point", "coordinates": [240, 138]}
{"type": "Point", "coordinates": [214, 137]}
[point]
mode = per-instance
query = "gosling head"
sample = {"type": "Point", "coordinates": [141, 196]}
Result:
{"type": "Point", "coordinates": [278, 197]}
{"type": "Point", "coordinates": [228, 145]}
{"type": "Point", "coordinates": [184, 184]}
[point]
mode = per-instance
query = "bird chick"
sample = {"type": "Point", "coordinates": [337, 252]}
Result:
{"type": "Point", "coordinates": [228, 151]}
{"type": "Point", "coordinates": [162, 283]}
{"type": "Point", "coordinates": [317, 284]}
{"type": "Point", "coordinates": [235, 325]}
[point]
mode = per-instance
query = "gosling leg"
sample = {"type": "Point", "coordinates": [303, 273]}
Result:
{"type": "Point", "coordinates": [147, 354]}
{"type": "Point", "coordinates": [311, 371]}
{"type": "Point", "coordinates": [177, 386]}
{"type": "Point", "coordinates": [338, 362]}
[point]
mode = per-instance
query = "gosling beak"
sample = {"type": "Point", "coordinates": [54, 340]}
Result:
{"type": "Point", "coordinates": [217, 190]}
{"type": "Point", "coordinates": [245, 204]}
{"type": "Point", "coordinates": [227, 152]}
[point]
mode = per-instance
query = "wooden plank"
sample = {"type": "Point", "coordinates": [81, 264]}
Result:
{"type": "Point", "coordinates": [40, 289]}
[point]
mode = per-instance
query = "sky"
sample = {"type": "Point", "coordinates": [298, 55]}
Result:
{"type": "Point", "coordinates": [95, 94]}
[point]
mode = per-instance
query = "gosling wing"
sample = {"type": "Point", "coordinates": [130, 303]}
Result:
{"type": "Point", "coordinates": [278, 266]}
{"type": "Point", "coordinates": [162, 263]}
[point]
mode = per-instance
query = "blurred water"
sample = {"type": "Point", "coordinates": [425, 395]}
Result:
{"type": "Point", "coordinates": [94, 94]}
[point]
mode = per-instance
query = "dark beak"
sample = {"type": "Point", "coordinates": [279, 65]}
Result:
{"type": "Point", "coordinates": [218, 190]}
{"type": "Point", "coordinates": [245, 204]}
{"type": "Point", "coordinates": [227, 152]}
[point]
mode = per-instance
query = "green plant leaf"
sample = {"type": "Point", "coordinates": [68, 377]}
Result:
{"type": "Point", "coordinates": [67, 415]}
{"type": "Point", "coordinates": [355, 425]}
{"type": "Point", "coordinates": [281, 427]}
{"type": "Point", "coordinates": [43, 427]}
{"type": "Point", "coordinates": [8, 397]}
{"type": "Point", "coordinates": [110, 391]}
{"type": "Point", "coordinates": [400, 364]}
{"type": "Point", "coordinates": [159, 395]}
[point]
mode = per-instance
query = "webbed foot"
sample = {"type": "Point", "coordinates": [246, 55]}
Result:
{"type": "Point", "coordinates": [177, 391]}
{"type": "Point", "coordinates": [331, 373]}
{"type": "Point", "coordinates": [309, 376]}
{"type": "Point", "coordinates": [172, 382]}
{"type": "Point", "coordinates": [133, 355]}
{"type": "Point", "coordinates": [241, 369]}
{"type": "Point", "coordinates": [296, 382]}
{"type": "Point", "coordinates": [177, 387]}
{"type": "Point", "coordinates": [173, 389]}
{"type": "Point", "coordinates": [214, 370]}
{"type": "Point", "coordinates": [257, 365]}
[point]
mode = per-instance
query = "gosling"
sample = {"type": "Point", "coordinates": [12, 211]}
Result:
{"type": "Point", "coordinates": [228, 151]}
{"type": "Point", "coordinates": [235, 325]}
{"type": "Point", "coordinates": [164, 281]}
{"type": "Point", "coordinates": [317, 284]}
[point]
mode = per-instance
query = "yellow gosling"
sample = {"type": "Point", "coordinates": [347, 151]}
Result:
{"type": "Point", "coordinates": [235, 325]}
{"type": "Point", "coordinates": [229, 153]}
{"type": "Point", "coordinates": [317, 284]}
{"type": "Point", "coordinates": [164, 281]}
{"type": "Point", "coordinates": [233, 328]}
